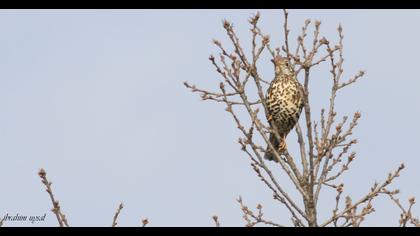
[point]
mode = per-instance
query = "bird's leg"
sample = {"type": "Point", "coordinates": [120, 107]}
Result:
{"type": "Point", "coordinates": [282, 145]}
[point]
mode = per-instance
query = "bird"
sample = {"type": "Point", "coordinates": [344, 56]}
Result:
{"type": "Point", "coordinates": [284, 100]}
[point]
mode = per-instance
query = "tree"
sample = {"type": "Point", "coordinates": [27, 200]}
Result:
{"type": "Point", "coordinates": [323, 144]}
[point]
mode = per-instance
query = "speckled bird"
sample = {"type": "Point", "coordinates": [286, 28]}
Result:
{"type": "Point", "coordinates": [284, 103]}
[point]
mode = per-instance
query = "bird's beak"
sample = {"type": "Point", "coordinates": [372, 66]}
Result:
{"type": "Point", "coordinates": [272, 60]}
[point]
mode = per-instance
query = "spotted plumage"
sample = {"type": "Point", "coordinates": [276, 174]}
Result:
{"type": "Point", "coordinates": [284, 103]}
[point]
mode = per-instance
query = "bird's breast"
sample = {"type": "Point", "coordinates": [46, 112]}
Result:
{"type": "Point", "coordinates": [284, 103]}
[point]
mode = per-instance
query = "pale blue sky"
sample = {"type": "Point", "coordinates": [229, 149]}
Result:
{"type": "Point", "coordinates": [96, 98]}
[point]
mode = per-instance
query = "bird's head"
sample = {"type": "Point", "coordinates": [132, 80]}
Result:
{"type": "Point", "coordinates": [282, 65]}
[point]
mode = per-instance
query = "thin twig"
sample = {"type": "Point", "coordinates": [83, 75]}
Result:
{"type": "Point", "coordinates": [61, 218]}
{"type": "Point", "coordinates": [253, 219]}
{"type": "Point", "coordinates": [117, 213]}
{"type": "Point", "coordinates": [216, 221]}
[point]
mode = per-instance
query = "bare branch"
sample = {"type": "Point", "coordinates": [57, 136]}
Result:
{"type": "Point", "coordinates": [216, 221]}
{"type": "Point", "coordinates": [352, 80]}
{"type": "Point", "coordinates": [253, 219]}
{"type": "Point", "coordinates": [376, 189]}
{"type": "Point", "coordinates": [406, 215]}
{"type": "Point", "coordinates": [286, 32]}
{"type": "Point", "coordinates": [61, 218]}
{"type": "Point", "coordinates": [117, 213]}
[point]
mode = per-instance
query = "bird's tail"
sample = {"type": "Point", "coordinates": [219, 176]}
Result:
{"type": "Point", "coordinates": [269, 155]}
